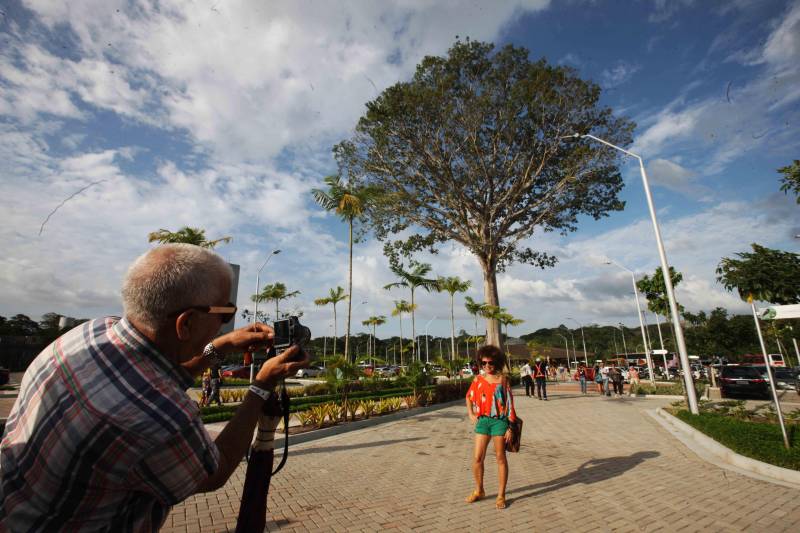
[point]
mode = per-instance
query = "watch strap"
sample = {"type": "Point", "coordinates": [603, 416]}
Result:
{"type": "Point", "coordinates": [211, 352]}
{"type": "Point", "coordinates": [258, 391]}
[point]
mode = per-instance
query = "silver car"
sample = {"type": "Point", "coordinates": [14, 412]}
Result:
{"type": "Point", "coordinates": [310, 372]}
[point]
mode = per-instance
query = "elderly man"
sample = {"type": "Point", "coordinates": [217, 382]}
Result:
{"type": "Point", "coordinates": [103, 436]}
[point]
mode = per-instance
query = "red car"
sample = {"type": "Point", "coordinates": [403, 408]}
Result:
{"type": "Point", "coordinates": [237, 372]}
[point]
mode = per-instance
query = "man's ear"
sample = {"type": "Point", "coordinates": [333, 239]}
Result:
{"type": "Point", "coordinates": [184, 324]}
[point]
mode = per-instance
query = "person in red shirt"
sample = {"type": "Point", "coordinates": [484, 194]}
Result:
{"type": "Point", "coordinates": [490, 406]}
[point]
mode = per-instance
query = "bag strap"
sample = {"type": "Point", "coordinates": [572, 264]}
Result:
{"type": "Point", "coordinates": [285, 408]}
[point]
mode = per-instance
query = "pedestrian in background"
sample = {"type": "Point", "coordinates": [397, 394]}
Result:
{"type": "Point", "coordinates": [580, 375]}
{"type": "Point", "coordinates": [490, 406]}
{"type": "Point", "coordinates": [206, 383]}
{"type": "Point", "coordinates": [216, 382]}
{"type": "Point", "coordinates": [527, 380]}
{"type": "Point", "coordinates": [604, 379]}
{"type": "Point", "coordinates": [598, 377]}
{"type": "Point", "coordinates": [616, 378]}
{"type": "Point", "coordinates": [540, 376]}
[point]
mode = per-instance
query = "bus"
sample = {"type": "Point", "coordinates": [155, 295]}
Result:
{"type": "Point", "coordinates": [775, 359]}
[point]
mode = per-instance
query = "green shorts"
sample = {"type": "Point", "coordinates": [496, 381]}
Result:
{"type": "Point", "coordinates": [496, 427]}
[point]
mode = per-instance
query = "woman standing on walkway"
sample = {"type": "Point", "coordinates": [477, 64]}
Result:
{"type": "Point", "coordinates": [490, 406]}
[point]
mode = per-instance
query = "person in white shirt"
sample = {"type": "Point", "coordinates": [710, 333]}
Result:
{"type": "Point", "coordinates": [526, 372]}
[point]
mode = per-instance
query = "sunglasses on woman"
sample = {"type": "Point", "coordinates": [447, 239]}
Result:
{"type": "Point", "coordinates": [226, 312]}
{"type": "Point", "coordinates": [487, 363]}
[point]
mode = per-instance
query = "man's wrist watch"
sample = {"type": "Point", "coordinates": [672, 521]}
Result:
{"type": "Point", "coordinates": [211, 352]}
{"type": "Point", "coordinates": [258, 391]}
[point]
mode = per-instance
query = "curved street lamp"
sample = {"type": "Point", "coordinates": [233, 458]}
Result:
{"type": "Point", "coordinates": [691, 394]}
{"type": "Point", "coordinates": [255, 313]}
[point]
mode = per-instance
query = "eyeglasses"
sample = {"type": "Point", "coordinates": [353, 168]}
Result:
{"type": "Point", "coordinates": [487, 363]}
{"type": "Point", "coordinates": [226, 313]}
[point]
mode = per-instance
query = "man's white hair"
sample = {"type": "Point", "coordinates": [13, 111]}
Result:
{"type": "Point", "coordinates": [170, 278]}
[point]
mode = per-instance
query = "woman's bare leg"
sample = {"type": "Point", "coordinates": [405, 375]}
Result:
{"type": "Point", "coordinates": [502, 465]}
{"type": "Point", "coordinates": [479, 454]}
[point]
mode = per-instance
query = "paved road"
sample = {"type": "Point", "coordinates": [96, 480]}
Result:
{"type": "Point", "coordinates": [587, 464]}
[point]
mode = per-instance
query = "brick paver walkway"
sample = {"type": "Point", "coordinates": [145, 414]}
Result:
{"type": "Point", "coordinates": [587, 464]}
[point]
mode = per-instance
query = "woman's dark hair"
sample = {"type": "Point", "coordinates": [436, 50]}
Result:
{"type": "Point", "coordinates": [495, 354]}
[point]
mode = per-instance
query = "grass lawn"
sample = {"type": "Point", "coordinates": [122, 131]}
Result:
{"type": "Point", "coordinates": [758, 440]}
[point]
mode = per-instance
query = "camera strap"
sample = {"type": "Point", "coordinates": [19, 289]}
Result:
{"type": "Point", "coordinates": [285, 408]}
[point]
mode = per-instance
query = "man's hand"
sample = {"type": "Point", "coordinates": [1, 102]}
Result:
{"type": "Point", "coordinates": [281, 366]}
{"type": "Point", "coordinates": [253, 337]}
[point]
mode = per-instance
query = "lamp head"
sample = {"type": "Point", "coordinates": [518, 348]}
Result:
{"type": "Point", "coordinates": [275, 252]}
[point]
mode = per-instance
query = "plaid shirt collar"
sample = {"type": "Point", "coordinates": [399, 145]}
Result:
{"type": "Point", "coordinates": [141, 344]}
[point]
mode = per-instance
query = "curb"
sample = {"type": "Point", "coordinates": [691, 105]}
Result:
{"type": "Point", "coordinates": [339, 429]}
{"type": "Point", "coordinates": [717, 454]}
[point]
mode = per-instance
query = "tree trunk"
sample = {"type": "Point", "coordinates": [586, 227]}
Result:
{"type": "Point", "coordinates": [334, 330]}
{"type": "Point", "coordinates": [490, 295]}
{"type": "Point", "coordinates": [401, 338]}
{"type": "Point", "coordinates": [349, 294]}
{"type": "Point", "coordinates": [413, 329]}
{"type": "Point", "coordinates": [452, 331]}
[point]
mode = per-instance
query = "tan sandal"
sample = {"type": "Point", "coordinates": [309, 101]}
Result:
{"type": "Point", "coordinates": [475, 496]}
{"type": "Point", "coordinates": [500, 503]}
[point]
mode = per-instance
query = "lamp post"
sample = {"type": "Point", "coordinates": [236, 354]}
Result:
{"type": "Point", "coordinates": [427, 358]}
{"type": "Point", "coordinates": [566, 347]}
{"type": "Point", "coordinates": [622, 334]}
{"type": "Point", "coordinates": [255, 313]}
{"type": "Point", "coordinates": [574, 352]}
{"type": "Point", "coordinates": [583, 340]}
{"type": "Point", "coordinates": [691, 394]}
{"type": "Point", "coordinates": [641, 321]}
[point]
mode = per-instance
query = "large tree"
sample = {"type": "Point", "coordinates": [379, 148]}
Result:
{"type": "Point", "coordinates": [764, 274]}
{"type": "Point", "coordinates": [196, 236]}
{"type": "Point", "coordinates": [349, 200]}
{"type": "Point", "coordinates": [472, 150]}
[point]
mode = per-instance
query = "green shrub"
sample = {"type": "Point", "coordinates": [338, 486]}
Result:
{"type": "Point", "coordinates": [759, 440]}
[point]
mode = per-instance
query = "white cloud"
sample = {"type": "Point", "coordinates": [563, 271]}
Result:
{"type": "Point", "coordinates": [677, 178]}
{"type": "Point", "coordinates": [619, 74]}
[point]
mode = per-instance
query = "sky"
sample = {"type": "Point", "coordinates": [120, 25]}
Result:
{"type": "Point", "coordinates": [119, 118]}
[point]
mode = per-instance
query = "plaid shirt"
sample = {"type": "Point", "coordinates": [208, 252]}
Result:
{"type": "Point", "coordinates": [102, 436]}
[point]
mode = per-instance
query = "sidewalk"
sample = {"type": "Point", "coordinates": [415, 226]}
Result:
{"type": "Point", "coordinates": [587, 464]}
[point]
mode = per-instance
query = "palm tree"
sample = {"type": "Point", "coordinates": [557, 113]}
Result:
{"type": "Point", "coordinates": [196, 236]}
{"type": "Point", "coordinates": [476, 309]}
{"type": "Point", "coordinates": [506, 319]}
{"type": "Point", "coordinates": [452, 285]}
{"type": "Point", "coordinates": [399, 308]}
{"type": "Point", "coordinates": [412, 279]}
{"type": "Point", "coordinates": [274, 292]}
{"type": "Point", "coordinates": [374, 321]}
{"type": "Point", "coordinates": [348, 201]}
{"type": "Point", "coordinates": [334, 297]}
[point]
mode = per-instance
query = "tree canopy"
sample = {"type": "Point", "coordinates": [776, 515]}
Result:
{"type": "Point", "coordinates": [472, 150]}
{"type": "Point", "coordinates": [655, 290]}
{"type": "Point", "coordinates": [196, 236]}
{"type": "Point", "coordinates": [765, 274]}
{"type": "Point", "coordinates": [790, 182]}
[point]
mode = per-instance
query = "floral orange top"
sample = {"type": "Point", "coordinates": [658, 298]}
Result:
{"type": "Point", "coordinates": [491, 399]}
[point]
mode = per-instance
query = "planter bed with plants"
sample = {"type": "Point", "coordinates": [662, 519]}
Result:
{"type": "Point", "coordinates": [673, 389]}
{"type": "Point", "coordinates": [753, 433]}
{"type": "Point", "coordinates": [358, 400]}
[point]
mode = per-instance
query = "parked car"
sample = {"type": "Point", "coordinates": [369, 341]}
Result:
{"type": "Point", "coordinates": [239, 371]}
{"type": "Point", "coordinates": [785, 378]}
{"type": "Point", "coordinates": [314, 371]}
{"type": "Point", "coordinates": [466, 371]}
{"type": "Point", "coordinates": [742, 380]}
